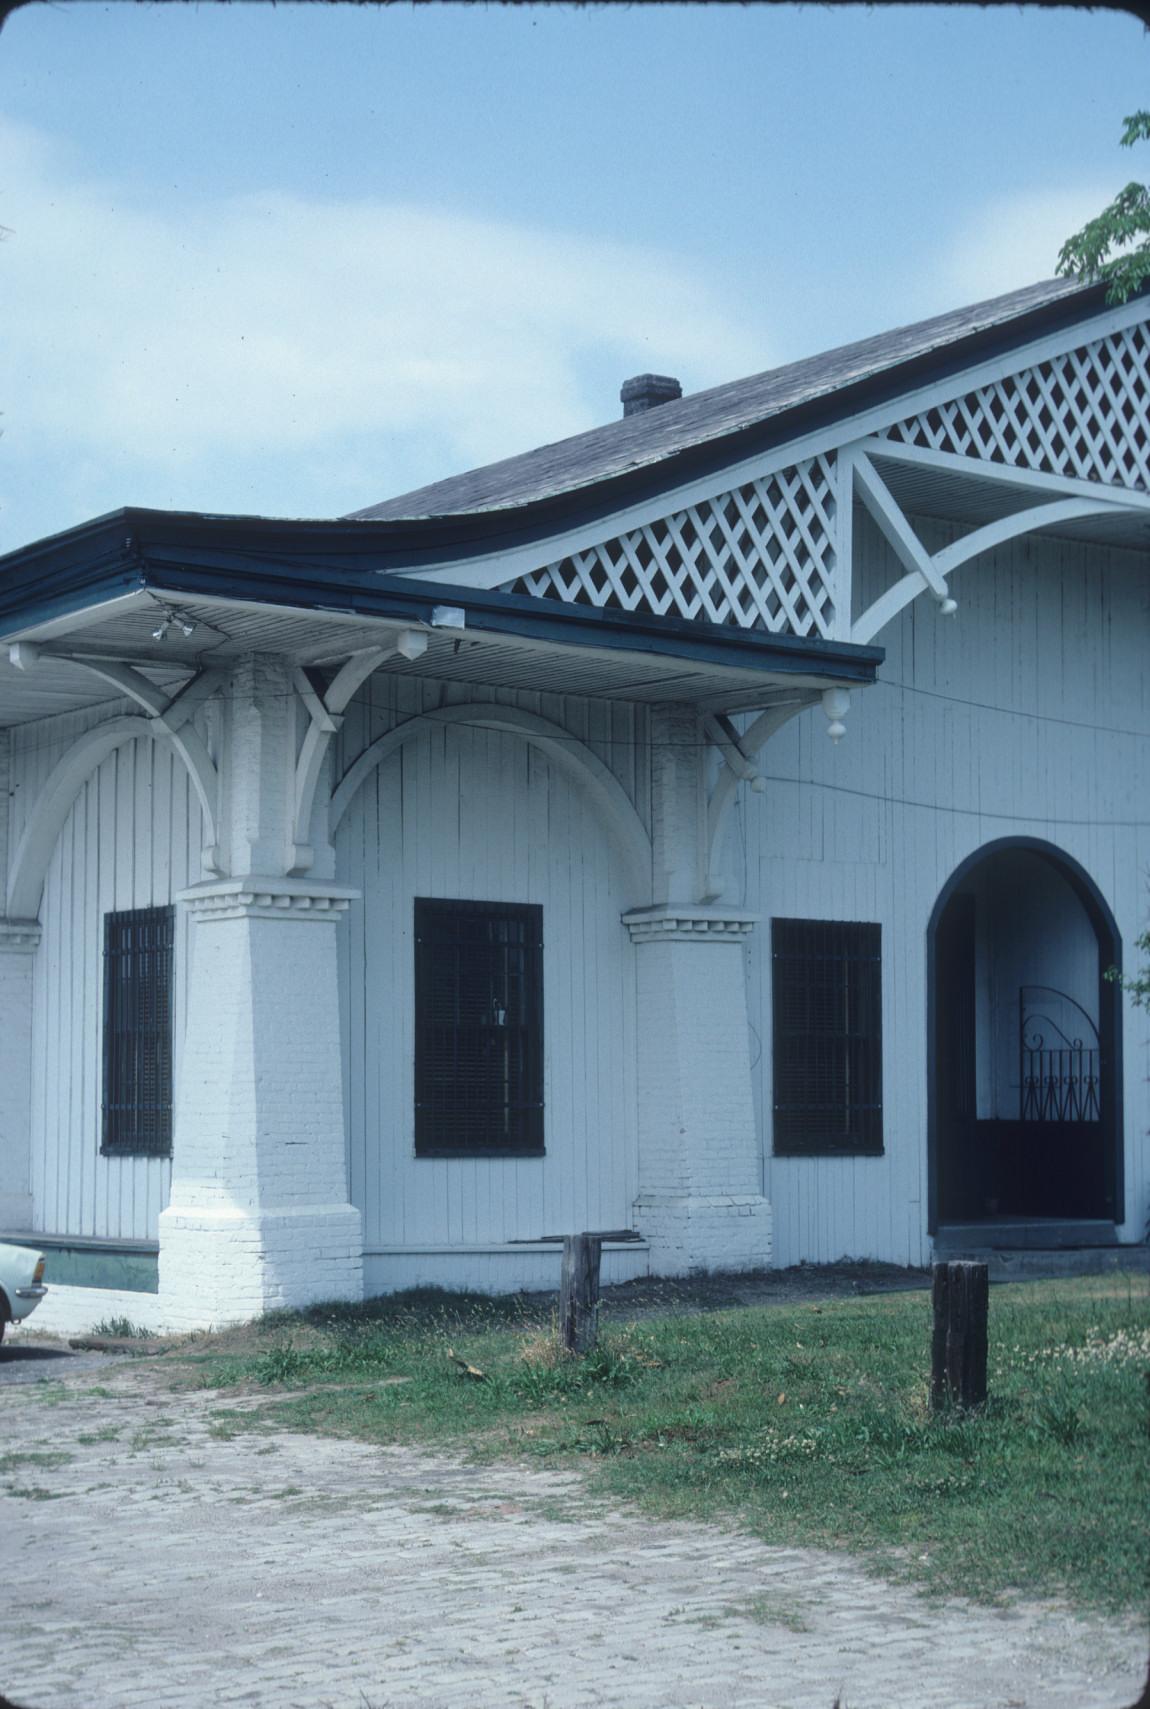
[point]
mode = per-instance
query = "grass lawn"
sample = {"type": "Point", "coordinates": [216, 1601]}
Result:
{"type": "Point", "coordinates": [808, 1424]}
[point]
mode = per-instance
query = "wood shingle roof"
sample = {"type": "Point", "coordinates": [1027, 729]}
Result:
{"type": "Point", "coordinates": [639, 441]}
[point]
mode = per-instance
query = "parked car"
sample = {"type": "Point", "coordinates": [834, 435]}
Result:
{"type": "Point", "coordinates": [21, 1283]}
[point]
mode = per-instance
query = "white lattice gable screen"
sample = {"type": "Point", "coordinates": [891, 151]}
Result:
{"type": "Point", "coordinates": [1082, 415]}
{"type": "Point", "coordinates": [761, 556]}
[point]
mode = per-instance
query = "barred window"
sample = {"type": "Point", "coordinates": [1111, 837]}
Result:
{"type": "Point", "coordinates": [478, 1029]}
{"type": "Point", "coordinates": [137, 1104]}
{"type": "Point", "coordinates": [827, 1000]}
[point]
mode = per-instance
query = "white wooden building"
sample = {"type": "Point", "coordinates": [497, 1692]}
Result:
{"type": "Point", "coordinates": [386, 897]}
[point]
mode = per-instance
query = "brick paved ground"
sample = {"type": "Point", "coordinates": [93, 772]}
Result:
{"type": "Point", "coordinates": [164, 1566]}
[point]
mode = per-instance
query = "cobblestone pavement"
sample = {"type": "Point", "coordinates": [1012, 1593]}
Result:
{"type": "Point", "coordinates": [167, 1566]}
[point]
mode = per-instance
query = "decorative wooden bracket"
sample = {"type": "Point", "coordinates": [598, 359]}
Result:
{"type": "Point", "coordinates": [727, 739]}
{"type": "Point", "coordinates": [927, 571]}
{"type": "Point", "coordinates": [325, 708]}
{"type": "Point", "coordinates": [168, 719]}
{"type": "Point", "coordinates": [736, 770]}
{"type": "Point", "coordinates": [879, 500]}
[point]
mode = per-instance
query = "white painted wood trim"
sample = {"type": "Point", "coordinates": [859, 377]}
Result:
{"type": "Point", "coordinates": [34, 850]}
{"type": "Point", "coordinates": [844, 541]}
{"type": "Point", "coordinates": [933, 569]}
{"type": "Point", "coordinates": [72, 621]}
{"type": "Point", "coordinates": [1022, 522]}
{"type": "Point", "coordinates": [1009, 474]}
{"type": "Point", "coordinates": [506, 564]}
{"type": "Point", "coordinates": [563, 749]}
{"type": "Point", "coordinates": [877, 497]}
{"type": "Point", "coordinates": [726, 784]}
{"type": "Point", "coordinates": [122, 678]}
{"type": "Point", "coordinates": [326, 716]}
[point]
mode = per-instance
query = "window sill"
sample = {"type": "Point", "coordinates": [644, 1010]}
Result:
{"type": "Point", "coordinates": [132, 1151]}
{"type": "Point", "coordinates": [428, 1155]}
{"type": "Point", "coordinates": [827, 1152]}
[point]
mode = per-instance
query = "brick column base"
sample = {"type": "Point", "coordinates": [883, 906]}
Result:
{"type": "Point", "coordinates": [18, 943]}
{"type": "Point", "coordinates": [700, 1201]}
{"type": "Point", "coordinates": [259, 1215]}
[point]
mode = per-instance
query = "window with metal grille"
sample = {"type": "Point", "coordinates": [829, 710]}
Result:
{"type": "Point", "coordinates": [827, 998]}
{"type": "Point", "coordinates": [137, 1108]}
{"type": "Point", "coordinates": [478, 1029]}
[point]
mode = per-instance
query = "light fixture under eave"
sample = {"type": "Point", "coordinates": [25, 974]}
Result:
{"type": "Point", "coordinates": [173, 619]}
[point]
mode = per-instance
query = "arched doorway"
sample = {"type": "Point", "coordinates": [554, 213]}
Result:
{"type": "Point", "coordinates": [1024, 1054]}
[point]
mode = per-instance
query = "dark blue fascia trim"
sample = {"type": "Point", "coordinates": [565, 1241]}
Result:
{"type": "Point", "coordinates": [330, 567]}
{"type": "Point", "coordinates": [424, 542]}
{"type": "Point", "coordinates": [387, 548]}
{"type": "Point", "coordinates": [674, 637]}
{"type": "Point", "coordinates": [406, 599]}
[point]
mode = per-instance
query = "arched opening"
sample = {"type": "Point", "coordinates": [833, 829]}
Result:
{"type": "Point", "coordinates": [1024, 1055]}
{"type": "Point", "coordinates": [458, 814]}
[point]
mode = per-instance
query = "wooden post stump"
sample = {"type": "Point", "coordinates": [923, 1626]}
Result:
{"type": "Point", "coordinates": [961, 1296]}
{"type": "Point", "coordinates": [579, 1293]}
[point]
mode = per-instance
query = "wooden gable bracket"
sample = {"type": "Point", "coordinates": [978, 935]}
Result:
{"type": "Point", "coordinates": [325, 708]}
{"type": "Point", "coordinates": [168, 718]}
{"type": "Point", "coordinates": [929, 571]}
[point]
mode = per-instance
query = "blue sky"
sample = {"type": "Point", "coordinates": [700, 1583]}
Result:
{"type": "Point", "coordinates": [293, 259]}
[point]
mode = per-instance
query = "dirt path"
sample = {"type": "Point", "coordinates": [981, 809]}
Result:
{"type": "Point", "coordinates": [158, 1563]}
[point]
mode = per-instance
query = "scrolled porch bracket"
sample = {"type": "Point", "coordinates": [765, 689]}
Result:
{"type": "Point", "coordinates": [167, 718]}
{"type": "Point", "coordinates": [726, 784]}
{"type": "Point", "coordinates": [723, 735]}
{"type": "Point", "coordinates": [325, 709]}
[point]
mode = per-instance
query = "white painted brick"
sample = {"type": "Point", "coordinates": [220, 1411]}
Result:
{"type": "Point", "coordinates": [259, 1214]}
{"type": "Point", "coordinates": [700, 1200]}
{"type": "Point", "coordinates": [15, 1088]}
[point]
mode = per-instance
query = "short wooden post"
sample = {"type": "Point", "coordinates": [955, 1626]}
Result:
{"type": "Point", "coordinates": [961, 1296]}
{"type": "Point", "coordinates": [579, 1293]}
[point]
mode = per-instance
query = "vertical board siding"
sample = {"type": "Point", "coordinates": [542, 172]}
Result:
{"type": "Point", "coordinates": [131, 840]}
{"type": "Point", "coordinates": [615, 731]}
{"type": "Point", "coordinates": [480, 815]}
{"type": "Point", "coordinates": [1026, 714]}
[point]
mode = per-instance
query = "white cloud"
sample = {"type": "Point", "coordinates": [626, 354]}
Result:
{"type": "Point", "coordinates": [1011, 241]}
{"type": "Point", "coordinates": [170, 357]}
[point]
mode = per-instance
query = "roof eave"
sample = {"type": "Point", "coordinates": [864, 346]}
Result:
{"type": "Point", "coordinates": [599, 495]}
{"type": "Point", "coordinates": [204, 558]}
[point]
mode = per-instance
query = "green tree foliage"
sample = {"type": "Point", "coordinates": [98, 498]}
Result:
{"type": "Point", "coordinates": [1115, 246]}
{"type": "Point", "coordinates": [1137, 984]}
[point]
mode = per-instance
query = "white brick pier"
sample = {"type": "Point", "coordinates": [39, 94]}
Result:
{"type": "Point", "coordinates": [700, 1202]}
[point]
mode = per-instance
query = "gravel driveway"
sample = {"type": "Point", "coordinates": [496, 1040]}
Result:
{"type": "Point", "coordinates": [152, 1561]}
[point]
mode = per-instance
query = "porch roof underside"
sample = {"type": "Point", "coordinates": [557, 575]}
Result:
{"type": "Point", "coordinates": [102, 591]}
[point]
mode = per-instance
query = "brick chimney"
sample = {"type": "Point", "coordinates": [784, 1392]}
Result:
{"type": "Point", "coordinates": [647, 391]}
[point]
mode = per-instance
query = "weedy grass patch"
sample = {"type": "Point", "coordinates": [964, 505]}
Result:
{"type": "Point", "coordinates": [120, 1329]}
{"type": "Point", "coordinates": [809, 1424]}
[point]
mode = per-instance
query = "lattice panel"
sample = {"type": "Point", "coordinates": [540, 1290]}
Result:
{"type": "Point", "coordinates": [761, 556]}
{"type": "Point", "coordinates": [1082, 415]}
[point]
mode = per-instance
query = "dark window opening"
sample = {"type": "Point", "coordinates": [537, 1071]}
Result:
{"type": "Point", "coordinates": [137, 1106]}
{"type": "Point", "coordinates": [478, 1029]}
{"type": "Point", "coordinates": [827, 1005]}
